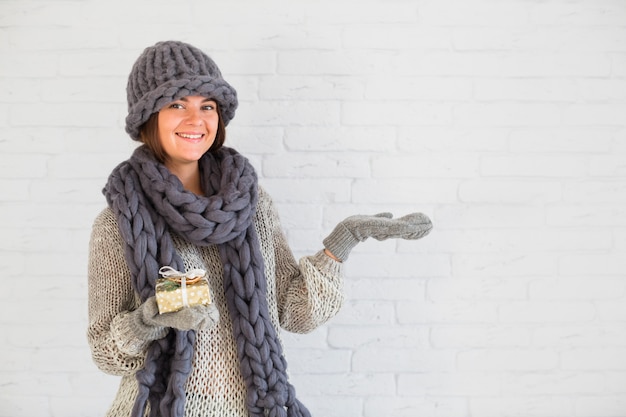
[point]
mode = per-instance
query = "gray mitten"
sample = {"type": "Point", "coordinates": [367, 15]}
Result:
{"type": "Point", "coordinates": [349, 232]}
{"type": "Point", "coordinates": [147, 322]}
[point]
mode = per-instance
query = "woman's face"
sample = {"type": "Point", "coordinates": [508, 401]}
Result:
{"type": "Point", "coordinates": [187, 129]}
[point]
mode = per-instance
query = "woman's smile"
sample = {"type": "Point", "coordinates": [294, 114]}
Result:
{"type": "Point", "coordinates": [192, 137]}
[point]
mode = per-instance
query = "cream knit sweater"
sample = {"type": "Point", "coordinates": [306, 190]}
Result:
{"type": "Point", "coordinates": [301, 297]}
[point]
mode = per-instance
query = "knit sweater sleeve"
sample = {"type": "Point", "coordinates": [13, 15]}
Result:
{"type": "Point", "coordinates": [309, 292]}
{"type": "Point", "coordinates": [114, 347]}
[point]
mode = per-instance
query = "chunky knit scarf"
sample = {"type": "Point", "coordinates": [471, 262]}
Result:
{"type": "Point", "coordinates": [150, 203]}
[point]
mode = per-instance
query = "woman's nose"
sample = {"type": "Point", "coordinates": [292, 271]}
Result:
{"type": "Point", "coordinates": [193, 117]}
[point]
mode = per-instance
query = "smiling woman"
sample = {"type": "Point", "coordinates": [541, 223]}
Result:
{"type": "Point", "coordinates": [186, 204]}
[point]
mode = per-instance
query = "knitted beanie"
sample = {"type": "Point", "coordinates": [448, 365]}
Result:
{"type": "Point", "coordinates": [169, 71]}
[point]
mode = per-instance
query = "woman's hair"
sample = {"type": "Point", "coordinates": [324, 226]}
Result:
{"type": "Point", "coordinates": [149, 135]}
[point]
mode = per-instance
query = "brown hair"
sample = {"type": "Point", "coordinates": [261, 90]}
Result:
{"type": "Point", "coordinates": [149, 135]}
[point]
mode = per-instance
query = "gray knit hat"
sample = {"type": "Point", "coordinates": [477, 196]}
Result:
{"type": "Point", "coordinates": [169, 71]}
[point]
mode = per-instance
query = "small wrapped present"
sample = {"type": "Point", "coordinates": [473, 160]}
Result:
{"type": "Point", "coordinates": [175, 290]}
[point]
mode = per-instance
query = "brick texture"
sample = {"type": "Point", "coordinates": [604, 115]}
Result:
{"type": "Point", "coordinates": [502, 120]}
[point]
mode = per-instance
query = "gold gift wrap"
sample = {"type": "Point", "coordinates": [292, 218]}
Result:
{"type": "Point", "coordinates": [175, 290]}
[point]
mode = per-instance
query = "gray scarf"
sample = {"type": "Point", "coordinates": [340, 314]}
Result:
{"type": "Point", "coordinates": [150, 203]}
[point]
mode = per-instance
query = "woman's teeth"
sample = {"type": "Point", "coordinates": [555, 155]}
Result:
{"type": "Point", "coordinates": [188, 136]}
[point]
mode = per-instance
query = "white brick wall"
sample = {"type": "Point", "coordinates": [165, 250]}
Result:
{"type": "Point", "coordinates": [505, 121]}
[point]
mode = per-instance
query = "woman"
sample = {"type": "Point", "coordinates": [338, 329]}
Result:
{"type": "Point", "coordinates": [186, 202]}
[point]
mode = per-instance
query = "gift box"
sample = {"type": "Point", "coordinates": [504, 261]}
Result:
{"type": "Point", "coordinates": [176, 290]}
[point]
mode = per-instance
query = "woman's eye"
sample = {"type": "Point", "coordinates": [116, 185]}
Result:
{"type": "Point", "coordinates": [176, 106]}
{"type": "Point", "coordinates": [208, 107]}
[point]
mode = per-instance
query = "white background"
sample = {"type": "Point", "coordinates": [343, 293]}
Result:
{"type": "Point", "coordinates": [505, 121]}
